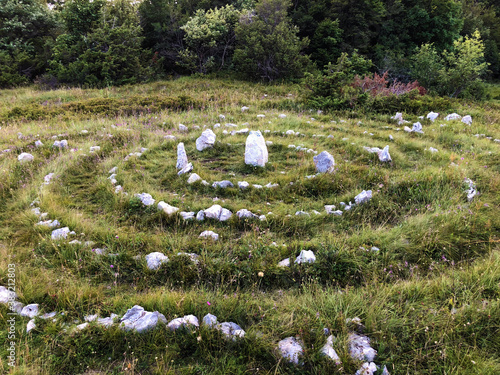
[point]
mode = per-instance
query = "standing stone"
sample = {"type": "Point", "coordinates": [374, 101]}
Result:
{"type": "Point", "coordinates": [324, 162]}
{"type": "Point", "coordinates": [182, 159]}
{"type": "Point", "coordinates": [206, 140]}
{"type": "Point", "coordinates": [256, 150]}
{"type": "Point", "coordinates": [384, 155]}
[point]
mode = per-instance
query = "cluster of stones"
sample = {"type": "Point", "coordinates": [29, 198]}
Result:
{"type": "Point", "coordinates": [292, 350]}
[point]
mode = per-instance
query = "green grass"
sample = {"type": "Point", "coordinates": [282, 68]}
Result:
{"type": "Point", "coordinates": [429, 299]}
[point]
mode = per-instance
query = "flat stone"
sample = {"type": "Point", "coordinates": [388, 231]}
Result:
{"type": "Point", "coordinates": [222, 184]}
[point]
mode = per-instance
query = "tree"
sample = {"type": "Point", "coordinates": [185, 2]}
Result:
{"type": "Point", "coordinates": [209, 36]}
{"type": "Point", "coordinates": [108, 53]}
{"type": "Point", "coordinates": [268, 46]}
{"type": "Point", "coordinates": [27, 29]}
{"type": "Point", "coordinates": [453, 73]}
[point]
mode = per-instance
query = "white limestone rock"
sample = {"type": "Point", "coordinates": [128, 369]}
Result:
{"type": "Point", "coordinates": [6, 295]}
{"type": "Point", "coordinates": [324, 162]}
{"type": "Point", "coordinates": [25, 157]}
{"type": "Point", "coordinates": [209, 234]}
{"type": "Point", "coordinates": [31, 325]}
{"type": "Point", "coordinates": [256, 150]}
{"type": "Point", "coordinates": [60, 234]}
{"type": "Point", "coordinates": [209, 320]}
{"type": "Point", "coordinates": [206, 140]}
{"type": "Point", "coordinates": [200, 216]}
{"type": "Point", "coordinates": [284, 263]}
{"type": "Point", "coordinates": [218, 213]}
{"type": "Point", "coordinates": [140, 320]}
{"type": "Point", "coordinates": [183, 128]}
{"type": "Point", "coordinates": [168, 209]}
{"type": "Point", "coordinates": [170, 137]}
{"type": "Point", "coordinates": [244, 213]}
{"type": "Point", "coordinates": [193, 178]}
{"type": "Point", "coordinates": [244, 108]}
{"type": "Point", "coordinates": [61, 144]}
{"type": "Point", "coordinates": [187, 215]}
{"type": "Point", "coordinates": [453, 116]}
{"type": "Point", "coordinates": [329, 208]}
{"type": "Point", "coordinates": [145, 198]}
{"type": "Point", "coordinates": [282, 115]}
{"type": "Point", "coordinates": [187, 321]}
{"type": "Point", "coordinates": [222, 184]}
{"type": "Point", "coordinates": [188, 168]}
{"type": "Point", "coordinates": [360, 349]}
{"type": "Point", "coordinates": [230, 330]}
{"type": "Point", "coordinates": [305, 256]}
{"type": "Point", "coordinates": [432, 116]}
{"type": "Point", "coordinates": [330, 352]}
{"type": "Point", "coordinates": [95, 148]}
{"type": "Point", "coordinates": [417, 128]}
{"type": "Point", "coordinates": [384, 155]}
{"type": "Point", "coordinates": [472, 190]}
{"type": "Point", "coordinates": [30, 311]}
{"type": "Point", "coordinates": [291, 349]}
{"type": "Point", "coordinates": [243, 185]}
{"type": "Point", "coordinates": [182, 159]}
{"type": "Point", "coordinates": [155, 260]}
{"type": "Point", "coordinates": [367, 369]}
{"type": "Point", "coordinates": [38, 144]}
{"type": "Point", "coordinates": [48, 178]}
{"type": "Point", "coordinates": [363, 197]}
{"type": "Point", "coordinates": [467, 120]}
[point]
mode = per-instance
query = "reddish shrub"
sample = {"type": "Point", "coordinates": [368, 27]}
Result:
{"type": "Point", "coordinates": [380, 86]}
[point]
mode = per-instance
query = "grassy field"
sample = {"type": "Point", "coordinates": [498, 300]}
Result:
{"type": "Point", "coordinates": [428, 299]}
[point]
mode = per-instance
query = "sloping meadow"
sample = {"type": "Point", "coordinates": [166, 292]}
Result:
{"type": "Point", "coordinates": [416, 268]}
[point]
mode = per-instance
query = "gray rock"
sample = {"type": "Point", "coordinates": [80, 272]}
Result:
{"type": "Point", "coordinates": [155, 260]}
{"type": "Point", "coordinates": [367, 369]}
{"type": "Point", "coordinates": [467, 120]}
{"type": "Point", "coordinates": [284, 263]}
{"type": "Point", "coordinates": [38, 144]}
{"type": "Point", "coordinates": [182, 159]}
{"type": "Point", "coordinates": [6, 295]}
{"type": "Point", "coordinates": [256, 150]}
{"type": "Point", "coordinates": [324, 162]}
{"type": "Point", "coordinates": [206, 140]}
{"type": "Point", "coordinates": [61, 144]}
{"type": "Point", "coordinates": [291, 349]}
{"type": "Point", "coordinates": [183, 128]}
{"type": "Point", "coordinates": [453, 116]}
{"type": "Point", "coordinates": [230, 330]}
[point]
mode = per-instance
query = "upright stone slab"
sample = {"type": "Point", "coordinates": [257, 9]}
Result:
{"type": "Point", "coordinates": [182, 159]}
{"type": "Point", "coordinates": [256, 150]}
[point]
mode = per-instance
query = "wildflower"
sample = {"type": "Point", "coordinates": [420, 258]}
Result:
{"type": "Point", "coordinates": [208, 303]}
{"type": "Point", "coordinates": [111, 266]}
{"type": "Point", "coordinates": [261, 274]}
